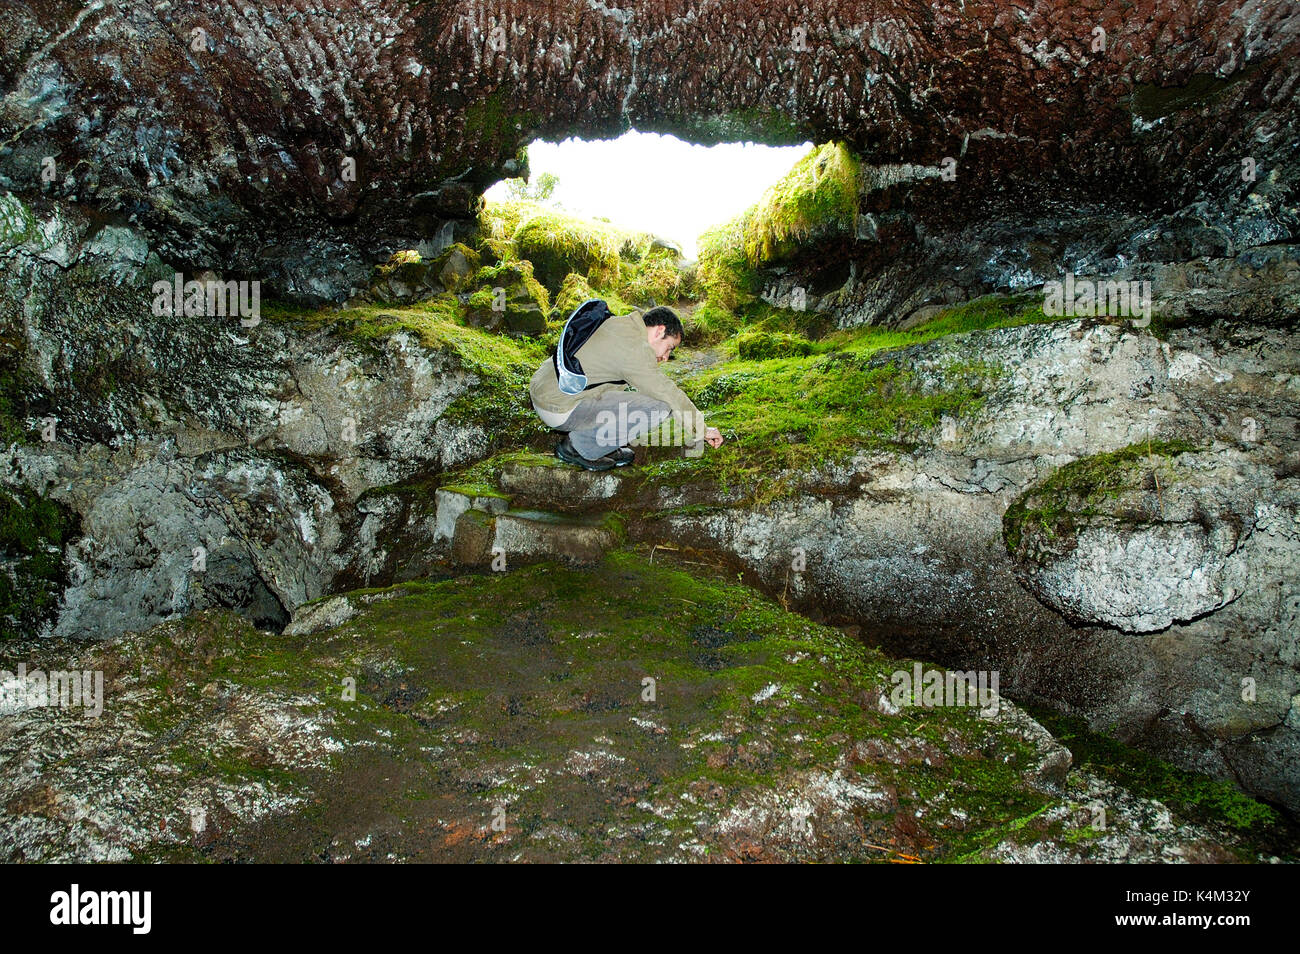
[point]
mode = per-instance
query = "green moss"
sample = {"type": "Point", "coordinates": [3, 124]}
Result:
{"type": "Point", "coordinates": [474, 490]}
{"type": "Point", "coordinates": [471, 255]}
{"type": "Point", "coordinates": [1080, 489]}
{"type": "Point", "coordinates": [786, 416]}
{"type": "Point", "coordinates": [1075, 836]}
{"type": "Point", "coordinates": [979, 314]}
{"type": "Point", "coordinates": [761, 331]}
{"type": "Point", "coordinates": [29, 522]}
{"type": "Point", "coordinates": [500, 220]}
{"type": "Point", "coordinates": [574, 290]}
{"type": "Point", "coordinates": [231, 765]}
{"type": "Point", "coordinates": [727, 279]}
{"type": "Point", "coordinates": [974, 843]}
{"type": "Point", "coordinates": [819, 196]}
{"type": "Point", "coordinates": [456, 284]}
{"type": "Point", "coordinates": [762, 345]}
{"type": "Point", "coordinates": [33, 531]}
{"type": "Point", "coordinates": [17, 224]}
{"type": "Point", "coordinates": [615, 264]}
{"type": "Point", "coordinates": [438, 322]}
{"type": "Point", "coordinates": [492, 689]}
{"type": "Point", "coordinates": [650, 274]}
{"type": "Point", "coordinates": [518, 280]}
{"type": "Point", "coordinates": [12, 403]}
{"type": "Point", "coordinates": [397, 260]}
{"type": "Point", "coordinates": [558, 244]}
{"type": "Point", "coordinates": [499, 250]}
{"type": "Point", "coordinates": [709, 323]}
{"type": "Point", "coordinates": [503, 364]}
{"type": "Point", "coordinates": [820, 192]}
{"type": "Point", "coordinates": [1192, 797]}
{"type": "Point", "coordinates": [486, 473]}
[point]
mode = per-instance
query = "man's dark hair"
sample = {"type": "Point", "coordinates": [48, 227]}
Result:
{"type": "Point", "coordinates": [666, 317]}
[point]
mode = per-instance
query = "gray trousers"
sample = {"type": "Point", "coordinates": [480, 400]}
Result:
{"type": "Point", "coordinates": [612, 420]}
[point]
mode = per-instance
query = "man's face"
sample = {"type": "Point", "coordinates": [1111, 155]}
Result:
{"type": "Point", "coordinates": [663, 346]}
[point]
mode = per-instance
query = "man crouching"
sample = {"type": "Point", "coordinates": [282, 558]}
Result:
{"type": "Point", "coordinates": [605, 417]}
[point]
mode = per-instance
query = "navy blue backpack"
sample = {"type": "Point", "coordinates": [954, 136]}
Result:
{"type": "Point", "coordinates": [582, 324]}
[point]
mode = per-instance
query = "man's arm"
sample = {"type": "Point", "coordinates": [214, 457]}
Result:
{"type": "Point", "coordinates": [642, 372]}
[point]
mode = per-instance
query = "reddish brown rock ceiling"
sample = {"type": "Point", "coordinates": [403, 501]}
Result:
{"type": "Point", "coordinates": [243, 130]}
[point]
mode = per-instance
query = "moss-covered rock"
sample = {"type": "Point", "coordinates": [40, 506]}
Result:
{"type": "Point", "coordinates": [456, 267]}
{"type": "Point", "coordinates": [1139, 538]}
{"type": "Point", "coordinates": [1084, 488]}
{"type": "Point", "coordinates": [509, 299]}
{"type": "Point", "coordinates": [818, 196]}
{"type": "Point", "coordinates": [576, 290]}
{"type": "Point", "coordinates": [817, 200]}
{"type": "Point", "coordinates": [407, 276]}
{"type": "Point", "coordinates": [725, 276]}
{"type": "Point", "coordinates": [619, 265]}
{"type": "Point", "coordinates": [33, 531]}
{"type": "Point", "coordinates": [708, 323]}
{"type": "Point", "coordinates": [558, 244]}
{"type": "Point", "coordinates": [655, 277]}
{"type": "Point", "coordinates": [404, 277]}
{"type": "Point", "coordinates": [1194, 796]}
{"type": "Point", "coordinates": [761, 345]}
{"type": "Point", "coordinates": [498, 221]}
{"type": "Point", "coordinates": [787, 417]}
{"type": "Point", "coordinates": [501, 363]}
{"type": "Point", "coordinates": [17, 224]}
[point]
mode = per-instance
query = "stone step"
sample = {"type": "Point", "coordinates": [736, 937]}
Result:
{"type": "Point", "coordinates": [555, 485]}
{"type": "Point", "coordinates": [453, 501]}
{"type": "Point", "coordinates": [500, 540]}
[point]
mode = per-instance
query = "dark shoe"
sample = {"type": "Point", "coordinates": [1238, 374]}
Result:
{"type": "Point", "coordinates": [566, 452]}
{"type": "Point", "coordinates": [623, 456]}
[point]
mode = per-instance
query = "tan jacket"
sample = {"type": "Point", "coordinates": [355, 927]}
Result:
{"type": "Point", "coordinates": [615, 356]}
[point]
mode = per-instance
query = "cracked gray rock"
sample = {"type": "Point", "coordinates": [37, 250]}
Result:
{"type": "Point", "coordinates": [208, 464]}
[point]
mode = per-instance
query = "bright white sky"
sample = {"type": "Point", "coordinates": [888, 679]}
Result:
{"type": "Point", "coordinates": [658, 183]}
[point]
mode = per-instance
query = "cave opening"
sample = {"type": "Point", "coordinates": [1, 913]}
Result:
{"type": "Point", "coordinates": [650, 182]}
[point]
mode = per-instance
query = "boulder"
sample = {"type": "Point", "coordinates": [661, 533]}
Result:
{"type": "Point", "coordinates": [509, 299]}
{"type": "Point", "coordinates": [457, 268]}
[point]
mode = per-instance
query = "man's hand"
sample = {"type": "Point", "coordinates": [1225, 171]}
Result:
{"type": "Point", "coordinates": [713, 436]}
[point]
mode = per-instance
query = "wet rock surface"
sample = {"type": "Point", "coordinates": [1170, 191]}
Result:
{"type": "Point", "coordinates": [624, 712]}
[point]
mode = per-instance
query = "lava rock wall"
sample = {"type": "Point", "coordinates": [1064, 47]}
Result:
{"type": "Point", "coordinates": [295, 140]}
